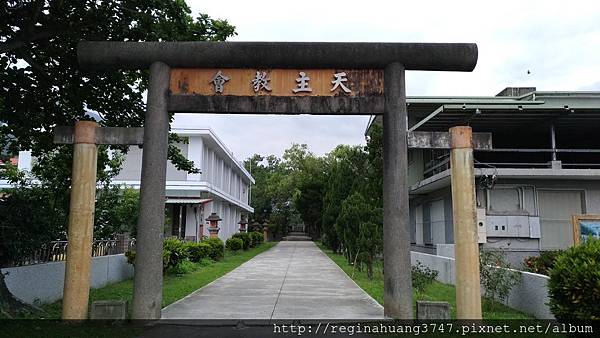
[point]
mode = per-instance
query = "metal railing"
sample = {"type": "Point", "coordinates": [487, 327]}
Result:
{"type": "Point", "coordinates": [442, 163]}
{"type": "Point", "coordinates": [56, 251]}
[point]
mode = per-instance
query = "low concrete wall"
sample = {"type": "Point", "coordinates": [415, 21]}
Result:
{"type": "Point", "coordinates": [445, 250]}
{"type": "Point", "coordinates": [529, 296]}
{"type": "Point", "coordinates": [44, 282]}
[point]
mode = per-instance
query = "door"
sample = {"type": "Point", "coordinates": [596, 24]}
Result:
{"type": "Point", "coordinates": [178, 220]}
{"type": "Point", "coordinates": [556, 208]}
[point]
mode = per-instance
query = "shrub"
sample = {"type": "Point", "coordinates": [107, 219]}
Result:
{"type": "Point", "coordinates": [497, 277]}
{"type": "Point", "coordinates": [245, 237]}
{"type": "Point", "coordinates": [257, 238]}
{"type": "Point", "coordinates": [422, 277]}
{"type": "Point", "coordinates": [174, 252]}
{"type": "Point", "coordinates": [217, 248]}
{"type": "Point", "coordinates": [205, 262]}
{"type": "Point", "coordinates": [574, 286]}
{"type": "Point", "coordinates": [185, 266]}
{"type": "Point", "coordinates": [542, 263]}
{"type": "Point", "coordinates": [234, 244]}
{"type": "Point", "coordinates": [198, 251]}
{"type": "Point", "coordinates": [130, 257]}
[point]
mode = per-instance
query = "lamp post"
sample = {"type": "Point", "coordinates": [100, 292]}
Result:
{"type": "Point", "coordinates": [213, 228]}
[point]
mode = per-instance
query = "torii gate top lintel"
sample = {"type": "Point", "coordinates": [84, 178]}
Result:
{"type": "Point", "coordinates": [351, 55]}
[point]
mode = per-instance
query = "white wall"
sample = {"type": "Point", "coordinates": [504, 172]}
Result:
{"type": "Point", "coordinates": [44, 282]}
{"type": "Point", "coordinates": [529, 296]}
{"type": "Point", "coordinates": [195, 153]}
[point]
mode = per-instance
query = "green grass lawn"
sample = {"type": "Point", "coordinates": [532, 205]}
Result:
{"type": "Point", "coordinates": [175, 287]}
{"type": "Point", "coordinates": [435, 292]}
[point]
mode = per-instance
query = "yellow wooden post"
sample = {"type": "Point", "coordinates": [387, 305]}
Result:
{"type": "Point", "coordinates": [81, 222]}
{"type": "Point", "coordinates": [466, 249]}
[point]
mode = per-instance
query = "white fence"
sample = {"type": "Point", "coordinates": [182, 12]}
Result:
{"type": "Point", "coordinates": [529, 296]}
{"type": "Point", "coordinates": [44, 282]}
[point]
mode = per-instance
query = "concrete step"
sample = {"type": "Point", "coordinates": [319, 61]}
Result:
{"type": "Point", "coordinates": [297, 238]}
{"type": "Point", "coordinates": [297, 233]}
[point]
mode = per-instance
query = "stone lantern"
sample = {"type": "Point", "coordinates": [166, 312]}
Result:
{"type": "Point", "coordinates": [213, 227]}
{"type": "Point", "coordinates": [255, 226]}
{"type": "Point", "coordinates": [242, 224]}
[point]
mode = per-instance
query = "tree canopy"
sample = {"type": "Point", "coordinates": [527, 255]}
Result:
{"type": "Point", "coordinates": [338, 197]}
{"type": "Point", "coordinates": [42, 84]}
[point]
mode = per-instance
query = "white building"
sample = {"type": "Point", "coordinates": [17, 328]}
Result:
{"type": "Point", "coordinates": [222, 187]}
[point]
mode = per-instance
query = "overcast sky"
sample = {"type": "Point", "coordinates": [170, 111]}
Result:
{"type": "Point", "coordinates": [557, 41]}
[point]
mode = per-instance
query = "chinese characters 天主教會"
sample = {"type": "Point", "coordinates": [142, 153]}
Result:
{"type": "Point", "coordinates": [262, 81]}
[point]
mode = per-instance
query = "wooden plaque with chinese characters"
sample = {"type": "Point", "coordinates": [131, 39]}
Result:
{"type": "Point", "coordinates": [278, 82]}
{"type": "Point", "coordinates": [277, 91]}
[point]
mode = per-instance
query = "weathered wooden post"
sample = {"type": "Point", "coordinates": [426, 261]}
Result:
{"type": "Point", "coordinates": [81, 222]}
{"type": "Point", "coordinates": [85, 136]}
{"type": "Point", "coordinates": [466, 249]}
{"type": "Point", "coordinates": [461, 142]}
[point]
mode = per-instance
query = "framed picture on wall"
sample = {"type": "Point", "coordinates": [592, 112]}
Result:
{"type": "Point", "coordinates": [585, 226]}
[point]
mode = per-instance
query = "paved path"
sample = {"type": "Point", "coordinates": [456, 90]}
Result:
{"type": "Point", "coordinates": [293, 280]}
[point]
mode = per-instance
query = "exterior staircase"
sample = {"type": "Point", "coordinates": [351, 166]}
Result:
{"type": "Point", "coordinates": [297, 236]}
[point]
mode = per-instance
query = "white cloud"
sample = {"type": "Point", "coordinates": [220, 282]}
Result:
{"type": "Point", "coordinates": [556, 41]}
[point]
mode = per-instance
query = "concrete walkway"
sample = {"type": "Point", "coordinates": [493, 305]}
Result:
{"type": "Point", "coordinates": [293, 280]}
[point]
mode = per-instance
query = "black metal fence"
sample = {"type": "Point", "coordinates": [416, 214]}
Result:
{"type": "Point", "coordinates": [56, 251]}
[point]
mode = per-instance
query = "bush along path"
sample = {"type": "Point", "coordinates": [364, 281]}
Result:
{"type": "Point", "coordinates": [424, 285]}
{"type": "Point", "coordinates": [188, 266]}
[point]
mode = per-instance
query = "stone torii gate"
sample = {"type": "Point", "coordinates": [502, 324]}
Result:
{"type": "Point", "coordinates": [377, 69]}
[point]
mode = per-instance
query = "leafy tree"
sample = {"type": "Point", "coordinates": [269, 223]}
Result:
{"type": "Point", "coordinates": [281, 193]}
{"type": "Point", "coordinates": [43, 85]}
{"type": "Point", "coordinates": [361, 231]}
{"type": "Point", "coordinates": [309, 179]}
{"type": "Point", "coordinates": [346, 168]}
{"type": "Point", "coordinates": [261, 168]}
{"type": "Point", "coordinates": [374, 171]}
{"type": "Point", "coordinates": [117, 211]}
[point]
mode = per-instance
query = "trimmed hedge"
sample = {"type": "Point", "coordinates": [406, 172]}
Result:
{"type": "Point", "coordinates": [245, 237]}
{"type": "Point", "coordinates": [217, 246]}
{"type": "Point", "coordinates": [174, 252]}
{"type": "Point", "coordinates": [198, 251]}
{"type": "Point", "coordinates": [257, 238]}
{"type": "Point", "coordinates": [574, 286]}
{"type": "Point", "coordinates": [234, 244]}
